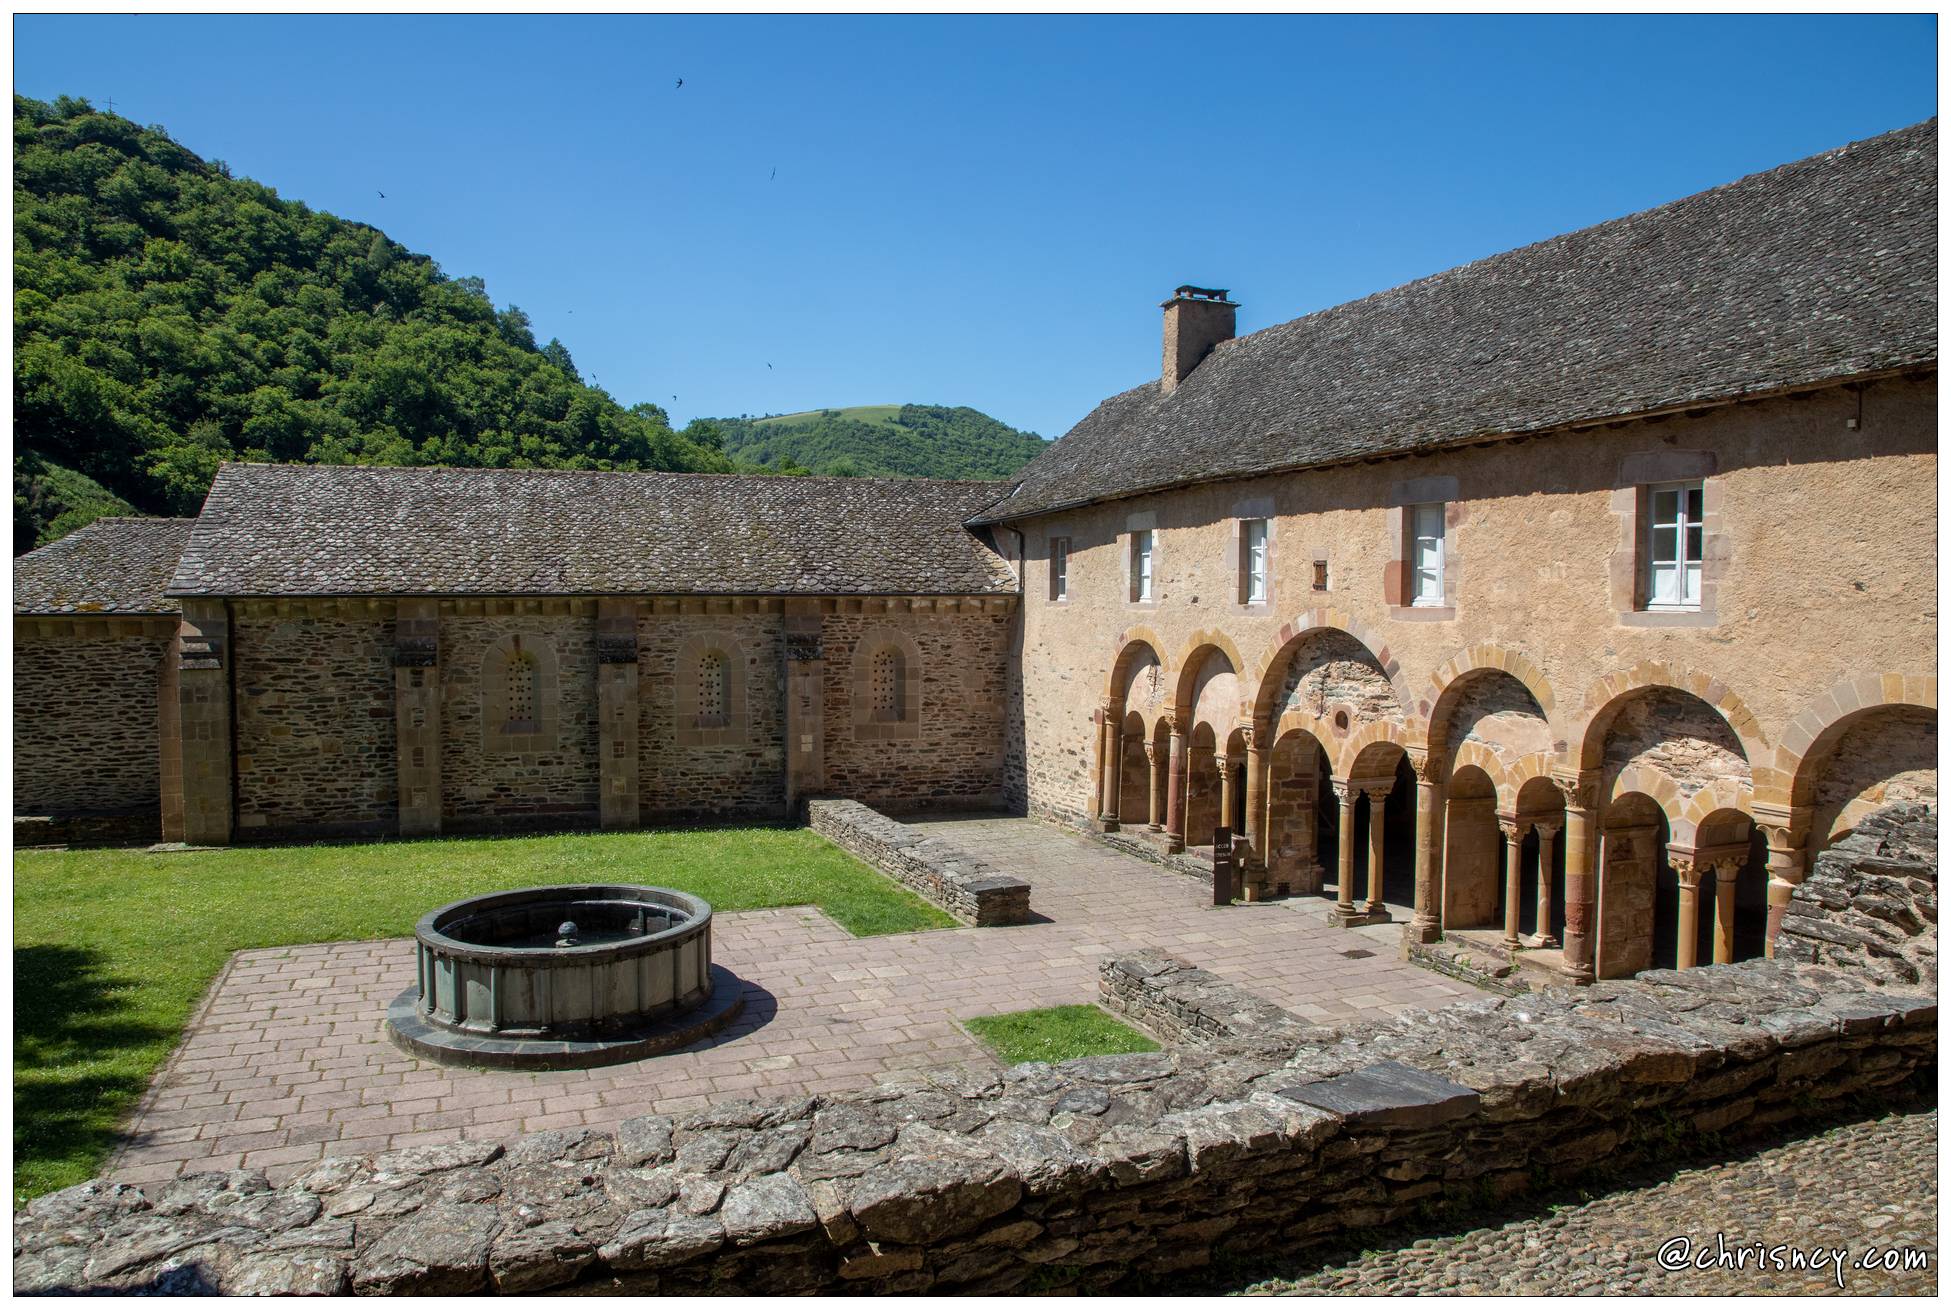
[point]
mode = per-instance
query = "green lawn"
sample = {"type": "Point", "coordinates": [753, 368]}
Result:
{"type": "Point", "coordinates": [113, 948]}
{"type": "Point", "coordinates": [1062, 1032]}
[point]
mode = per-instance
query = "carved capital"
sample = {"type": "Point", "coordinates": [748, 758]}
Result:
{"type": "Point", "coordinates": [1377, 792]}
{"type": "Point", "coordinates": [1345, 790]}
{"type": "Point", "coordinates": [1548, 829]}
{"type": "Point", "coordinates": [1422, 762]}
{"type": "Point", "coordinates": [1581, 789]}
{"type": "Point", "coordinates": [1685, 869]}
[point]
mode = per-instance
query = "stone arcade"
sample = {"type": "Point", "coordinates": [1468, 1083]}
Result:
{"type": "Point", "coordinates": [1567, 603]}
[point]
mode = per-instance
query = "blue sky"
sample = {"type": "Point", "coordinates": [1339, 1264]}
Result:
{"type": "Point", "coordinates": [969, 211]}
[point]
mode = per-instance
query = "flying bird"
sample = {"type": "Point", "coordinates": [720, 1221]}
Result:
{"type": "Point", "coordinates": [768, 366]}
{"type": "Point", "coordinates": [679, 86]}
{"type": "Point", "coordinates": [774, 177]}
{"type": "Point", "coordinates": [382, 194]}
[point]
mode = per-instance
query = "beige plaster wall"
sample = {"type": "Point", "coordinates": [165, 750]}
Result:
{"type": "Point", "coordinates": [1821, 559]}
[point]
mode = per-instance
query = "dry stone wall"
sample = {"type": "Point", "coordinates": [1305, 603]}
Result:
{"type": "Point", "coordinates": [1870, 902]}
{"type": "Point", "coordinates": [1097, 1173]}
{"type": "Point", "coordinates": [964, 885]}
{"type": "Point", "coordinates": [85, 734]}
{"type": "Point", "coordinates": [315, 723]}
{"type": "Point", "coordinates": [956, 757]}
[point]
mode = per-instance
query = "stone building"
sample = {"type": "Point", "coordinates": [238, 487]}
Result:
{"type": "Point", "coordinates": [1566, 604]}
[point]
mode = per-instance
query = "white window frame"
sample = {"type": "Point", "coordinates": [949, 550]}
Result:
{"type": "Point", "coordinates": [1428, 532]}
{"type": "Point", "coordinates": [1254, 536]}
{"type": "Point", "coordinates": [1060, 568]}
{"type": "Point", "coordinates": [1673, 585]}
{"type": "Point", "coordinates": [1143, 549]}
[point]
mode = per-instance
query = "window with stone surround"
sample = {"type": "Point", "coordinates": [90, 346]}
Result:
{"type": "Point", "coordinates": [1253, 561]}
{"type": "Point", "coordinates": [708, 691]}
{"type": "Point", "coordinates": [1425, 554]}
{"type": "Point", "coordinates": [1141, 565]}
{"type": "Point", "coordinates": [520, 695]}
{"type": "Point", "coordinates": [886, 686]}
{"type": "Point", "coordinates": [1673, 545]}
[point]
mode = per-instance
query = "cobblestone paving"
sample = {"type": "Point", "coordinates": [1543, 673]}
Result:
{"type": "Point", "coordinates": [1865, 1187]}
{"type": "Point", "coordinates": [288, 1061]}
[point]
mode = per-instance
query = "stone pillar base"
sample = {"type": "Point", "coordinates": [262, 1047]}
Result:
{"type": "Point", "coordinates": [1422, 931]}
{"type": "Point", "coordinates": [1357, 916]}
{"type": "Point", "coordinates": [1106, 825]}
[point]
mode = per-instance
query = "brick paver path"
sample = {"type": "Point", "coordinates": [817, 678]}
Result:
{"type": "Point", "coordinates": [287, 1062]}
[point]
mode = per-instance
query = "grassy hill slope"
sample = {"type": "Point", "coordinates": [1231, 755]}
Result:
{"type": "Point", "coordinates": [168, 316]}
{"type": "Point", "coordinates": [931, 441]}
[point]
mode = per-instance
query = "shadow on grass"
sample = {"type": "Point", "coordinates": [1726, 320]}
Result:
{"type": "Point", "coordinates": [71, 1018]}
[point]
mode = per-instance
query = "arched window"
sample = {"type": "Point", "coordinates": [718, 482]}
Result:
{"type": "Point", "coordinates": [524, 676]}
{"type": "Point", "coordinates": [711, 690]}
{"type": "Point", "coordinates": [886, 686]}
{"type": "Point", "coordinates": [708, 692]}
{"type": "Point", "coordinates": [884, 680]}
{"type": "Point", "coordinates": [520, 695]}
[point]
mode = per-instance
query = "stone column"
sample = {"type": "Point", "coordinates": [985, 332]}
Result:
{"type": "Point", "coordinates": [203, 657]}
{"type": "Point", "coordinates": [1378, 794]}
{"type": "Point", "coordinates": [169, 732]}
{"type": "Point", "coordinates": [1725, 873]}
{"type": "Point", "coordinates": [1344, 912]}
{"type": "Point", "coordinates": [617, 692]}
{"type": "Point", "coordinates": [416, 714]}
{"type": "Point", "coordinates": [1427, 925]}
{"type": "Point", "coordinates": [1513, 831]}
{"type": "Point", "coordinates": [1228, 796]}
{"type": "Point", "coordinates": [1256, 798]}
{"type": "Point", "coordinates": [1175, 795]}
{"type": "Point", "coordinates": [1688, 875]}
{"type": "Point", "coordinates": [1786, 830]}
{"type": "Point", "coordinates": [1547, 835]}
{"type": "Point", "coordinates": [1109, 735]}
{"type": "Point", "coordinates": [805, 659]}
{"type": "Point", "coordinates": [1580, 900]}
{"type": "Point", "coordinates": [1155, 778]}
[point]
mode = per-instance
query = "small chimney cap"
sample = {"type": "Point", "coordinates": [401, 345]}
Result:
{"type": "Point", "coordinates": [1198, 293]}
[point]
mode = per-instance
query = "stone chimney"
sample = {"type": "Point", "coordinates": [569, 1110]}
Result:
{"type": "Point", "coordinates": [1196, 320]}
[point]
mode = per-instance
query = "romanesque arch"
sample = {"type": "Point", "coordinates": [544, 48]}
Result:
{"type": "Point", "coordinates": [1208, 657]}
{"type": "Point", "coordinates": [1606, 697]}
{"type": "Point", "coordinates": [1861, 745]}
{"type": "Point", "coordinates": [1327, 679]}
{"type": "Point", "coordinates": [1502, 715]}
{"type": "Point", "coordinates": [1475, 661]}
{"type": "Point", "coordinates": [1138, 651]}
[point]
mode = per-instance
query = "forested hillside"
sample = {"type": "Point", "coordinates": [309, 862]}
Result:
{"type": "Point", "coordinates": [931, 441]}
{"type": "Point", "coordinates": [168, 316]}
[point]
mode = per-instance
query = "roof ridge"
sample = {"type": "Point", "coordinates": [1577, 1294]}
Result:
{"type": "Point", "coordinates": [782, 478]}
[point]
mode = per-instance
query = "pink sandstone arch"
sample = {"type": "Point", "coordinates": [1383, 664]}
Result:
{"type": "Point", "coordinates": [1129, 645]}
{"type": "Point", "coordinates": [1271, 673]}
{"type": "Point", "coordinates": [1485, 657]}
{"type": "Point", "coordinates": [1810, 735]}
{"type": "Point", "coordinates": [1191, 663]}
{"type": "Point", "coordinates": [1606, 697]}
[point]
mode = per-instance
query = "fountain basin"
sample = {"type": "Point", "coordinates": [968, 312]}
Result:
{"type": "Point", "coordinates": [562, 977]}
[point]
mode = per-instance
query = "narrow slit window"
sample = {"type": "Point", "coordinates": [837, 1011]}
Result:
{"type": "Point", "coordinates": [1060, 568]}
{"type": "Point", "coordinates": [1253, 561]}
{"type": "Point", "coordinates": [711, 691]}
{"type": "Point", "coordinates": [1426, 543]}
{"type": "Point", "coordinates": [1141, 565]}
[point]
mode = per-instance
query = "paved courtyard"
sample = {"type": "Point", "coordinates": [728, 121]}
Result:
{"type": "Point", "coordinates": [287, 1062]}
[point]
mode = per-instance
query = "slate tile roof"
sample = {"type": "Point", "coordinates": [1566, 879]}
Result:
{"type": "Point", "coordinates": [1821, 269]}
{"type": "Point", "coordinates": [298, 530]}
{"type": "Point", "coordinates": [112, 566]}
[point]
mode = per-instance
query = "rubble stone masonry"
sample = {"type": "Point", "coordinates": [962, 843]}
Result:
{"type": "Point", "coordinates": [85, 715]}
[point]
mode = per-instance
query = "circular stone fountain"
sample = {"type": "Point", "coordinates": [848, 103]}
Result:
{"type": "Point", "coordinates": [562, 978]}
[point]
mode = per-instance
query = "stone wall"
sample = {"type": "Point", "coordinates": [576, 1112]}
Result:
{"type": "Point", "coordinates": [85, 705]}
{"type": "Point", "coordinates": [492, 778]}
{"type": "Point", "coordinates": [1094, 1174]}
{"type": "Point", "coordinates": [1870, 902]}
{"type": "Point", "coordinates": [314, 722]}
{"type": "Point", "coordinates": [954, 758]}
{"type": "Point", "coordinates": [1183, 1005]}
{"type": "Point", "coordinates": [964, 885]}
{"type": "Point", "coordinates": [711, 772]}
